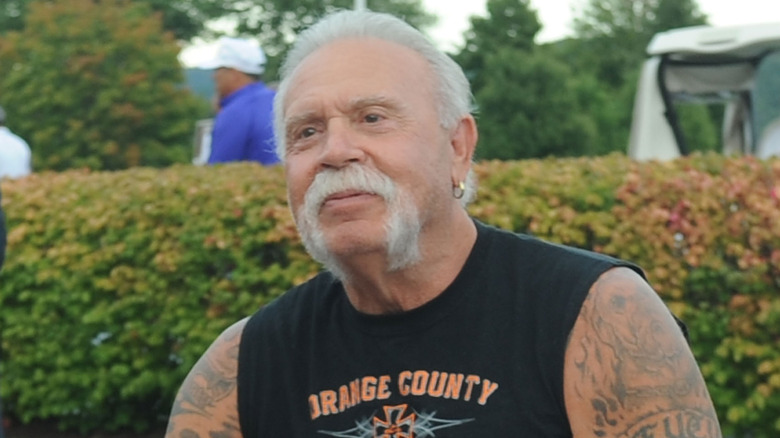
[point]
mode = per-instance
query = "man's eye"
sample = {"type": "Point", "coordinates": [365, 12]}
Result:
{"type": "Point", "coordinates": [307, 132]}
{"type": "Point", "coordinates": [372, 118]}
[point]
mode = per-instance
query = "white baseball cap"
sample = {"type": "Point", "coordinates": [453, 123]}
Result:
{"type": "Point", "coordinates": [236, 53]}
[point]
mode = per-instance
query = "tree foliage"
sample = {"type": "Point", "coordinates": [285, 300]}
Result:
{"type": "Point", "coordinates": [97, 84]}
{"type": "Point", "coordinates": [615, 33]}
{"type": "Point", "coordinates": [274, 23]}
{"type": "Point", "coordinates": [530, 104]}
{"type": "Point", "coordinates": [510, 24]}
{"type": "Point", "coordinates": [185, 18]}
{"type": "Point", "coordinates": [528, 108]}
{"type": "Point", "coordinates": [571, 97]}
{"type": "Point", "coordinates": [613, 36]}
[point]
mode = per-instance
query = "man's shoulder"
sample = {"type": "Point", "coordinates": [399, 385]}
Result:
{"type": "Point", "coordinates": [256, 91]}
{"type": "Point", "coordinates": [261, 94]}
{"type": "Point", "coordinates": [512, 240]}
{"type": "Point", "coordinates": [245, 101]}
{"type": "Point", "coordinates": [298, 303]}
{"type": "Point", "coordinates": [6, 135]}
{"type": "Point", "coordinates": [538, 256]}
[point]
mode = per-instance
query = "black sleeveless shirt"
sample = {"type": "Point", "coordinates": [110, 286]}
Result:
{"type": "Point", "coordinates": [484, 358]}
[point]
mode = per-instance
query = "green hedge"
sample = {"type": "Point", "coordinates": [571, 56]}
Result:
{"type": "Point", "coordinates": [116, 282]}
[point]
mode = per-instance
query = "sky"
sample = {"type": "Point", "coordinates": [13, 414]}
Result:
{"type": "Point", "coordinates": [555, 15]}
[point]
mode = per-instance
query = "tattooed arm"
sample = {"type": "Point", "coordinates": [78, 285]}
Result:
{"type": "Point", "coordinates": [628, 370]}
{"type": "Point", "coordinates": [207, 404]}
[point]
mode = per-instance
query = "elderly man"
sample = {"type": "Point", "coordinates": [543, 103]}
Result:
{"type": "Point", "coordinates": [426, 322]}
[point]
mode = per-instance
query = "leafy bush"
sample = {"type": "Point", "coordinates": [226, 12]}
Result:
{"type": "Point", "coordinates": [116, 282]}
{"type": "Point", "coordinates": [98, 85]}
{"type": "Point", "coordinates": [707, 230]}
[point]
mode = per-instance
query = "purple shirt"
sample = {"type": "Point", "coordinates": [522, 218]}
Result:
{"type": "Point", "coordinates": [243, 128]}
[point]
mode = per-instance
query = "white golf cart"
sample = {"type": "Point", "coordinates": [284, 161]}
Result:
{"type": "Point", "coordinates": [708, 65]}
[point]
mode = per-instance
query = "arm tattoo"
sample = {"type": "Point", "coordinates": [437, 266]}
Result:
{"type": "Point", "coordinates": [206, 405]}
{"type": "Point", "coordinates": [634, 368]}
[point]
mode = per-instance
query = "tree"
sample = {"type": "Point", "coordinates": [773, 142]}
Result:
{"type": "Point", "coordinates": [185, 18]}
{"type": "Point", "coordinates": [11, 15]}
{"type": "Point", "coordinates": [275, 23]}
{"type": "Point", "coordinates": [530, 107]}
{"type": "Point", "coordinates": [509, 24]}
{"type": "Point", "coordinates": [610, 46]}
{"type": "Point", "coordinates": [97, 84]}
{"type": "Point", "coordinates": [529, 104]}
{"type": "Point", "coordinates": [616, 32]}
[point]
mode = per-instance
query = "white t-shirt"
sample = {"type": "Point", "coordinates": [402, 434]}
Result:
{"type": "Point", "coordinates": [15, 155]}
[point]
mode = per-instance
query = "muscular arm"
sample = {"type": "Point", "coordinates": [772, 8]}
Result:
{"type": "Point", "coordinates": [206, 405]}
{"type": "Point", "coordinates": [628, 370]}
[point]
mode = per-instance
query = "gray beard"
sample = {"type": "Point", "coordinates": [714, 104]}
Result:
{"type": "Point", "coordinates": [402, 227]}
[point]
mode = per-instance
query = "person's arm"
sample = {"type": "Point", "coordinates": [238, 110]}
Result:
{"type": "Point", "coordinates": [629, 371]}
{"type": "Point", "coordinates": [207, 402]}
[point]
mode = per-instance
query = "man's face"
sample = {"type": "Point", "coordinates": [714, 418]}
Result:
{"type": "Point", "coordinates": [362, 115]}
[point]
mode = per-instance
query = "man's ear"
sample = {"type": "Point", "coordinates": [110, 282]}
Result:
{"type": "Point", "coordinates": [463, 142]}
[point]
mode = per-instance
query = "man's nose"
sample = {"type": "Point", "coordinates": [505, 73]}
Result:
{"type": "Point", "coordinates": [342, 144]}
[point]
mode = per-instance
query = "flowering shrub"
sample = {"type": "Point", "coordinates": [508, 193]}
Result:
{"type": "Point", "coordinates": [116, 282]}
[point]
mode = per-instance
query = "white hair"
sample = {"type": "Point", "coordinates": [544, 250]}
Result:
{"type": "Point", "coordinates": [453, 92]}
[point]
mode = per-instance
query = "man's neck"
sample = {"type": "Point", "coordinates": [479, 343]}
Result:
{"type": "Point", "coordinates": [239, 85]}
{"type": "Point", "coordinates": [373, 290]}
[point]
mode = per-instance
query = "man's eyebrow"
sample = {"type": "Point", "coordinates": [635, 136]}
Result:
{"type": "Point", "coordinates": [377, 100]}
{"type": "Point", "coordinates": [353, 105]}
{"type": "Point", "coordinates": [299, 118]}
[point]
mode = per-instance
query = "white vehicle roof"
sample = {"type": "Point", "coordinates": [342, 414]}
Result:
{"type": "Point", "coordinates": [708, 42]}
{"type": "Point", "coordinates": [699, 63]}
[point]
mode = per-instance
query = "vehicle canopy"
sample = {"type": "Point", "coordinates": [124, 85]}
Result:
{"type": "Point", "coordinates": [705, 64]}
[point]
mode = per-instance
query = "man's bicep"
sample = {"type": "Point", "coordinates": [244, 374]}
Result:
{"type": "Point", "coordinates": [629, 370]}
{"type": "Point", "coordinates": [207, 402]}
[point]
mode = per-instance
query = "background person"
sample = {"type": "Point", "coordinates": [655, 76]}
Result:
{"type": "Point", "coordinates": [426, 321]}
{"type": "Point", "coordinates": [243, 125]}
{"type": "Point", "coordinates": [15, 154]}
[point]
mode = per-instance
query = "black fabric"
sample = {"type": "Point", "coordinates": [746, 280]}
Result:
{"type": "Point", "coordinates": [485, 358]}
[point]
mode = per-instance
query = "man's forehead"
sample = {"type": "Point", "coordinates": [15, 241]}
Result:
{"type": "Point", "coordinates": [369, 52]}
{"type": "Point", "coordinates": [362, 68]}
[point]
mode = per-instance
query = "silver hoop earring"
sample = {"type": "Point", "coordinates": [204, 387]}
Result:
{"type": "Point", "coordinates": [459, 190]}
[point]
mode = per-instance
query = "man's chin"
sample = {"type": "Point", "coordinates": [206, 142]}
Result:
{"type": "Point", "coordinates": [345, 239]}
{"type": "Point", "coordinates": [351, 241]}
